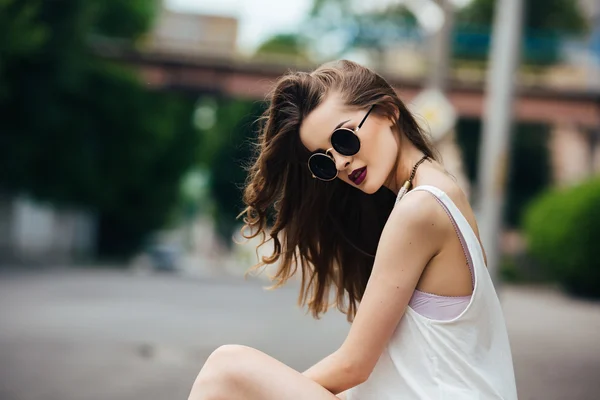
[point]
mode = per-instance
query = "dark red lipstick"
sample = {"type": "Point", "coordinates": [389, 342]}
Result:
{"type": "Point", "coordinates": [358, 175]}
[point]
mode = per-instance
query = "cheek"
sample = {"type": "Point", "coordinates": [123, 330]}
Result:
{"type": "Point", "coordinates": [381, 150]}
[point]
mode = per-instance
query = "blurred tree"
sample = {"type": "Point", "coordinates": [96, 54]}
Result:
{"type": "Point", "coordinates": [287, 46]}
{"type": "Point", "coordinates": [230, 140]}
{"type": "Point", "coordinates": [530, 170]}
{"type": "Point", "coordinates": [27, 38]}
{"type": "Point", "coordinates": [335, 27]}
{"type": "Point", "coordinates": [79, 131]}
{"type": "Point", "coordinates": [124, 19]}
{"type": "Point", "coordinates": [562, 227]}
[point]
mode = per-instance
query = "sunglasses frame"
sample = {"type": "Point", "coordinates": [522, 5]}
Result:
{"type": "Point", "coordinates": [328, 154]}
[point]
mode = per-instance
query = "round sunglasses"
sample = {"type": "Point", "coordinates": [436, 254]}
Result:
{"type": "Point", "coordinates": [345, 142]}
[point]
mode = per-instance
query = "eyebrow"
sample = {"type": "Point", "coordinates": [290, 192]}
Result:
{"type": "Point", "coordinates": [337, 127]}
{"type": "Point", "coordinates": [340, 125]}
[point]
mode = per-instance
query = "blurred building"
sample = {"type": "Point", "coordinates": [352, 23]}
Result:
{"type": "Point", "coordinates": [193, 34]}
{"type": "Point", "coordinates": [34, 233]}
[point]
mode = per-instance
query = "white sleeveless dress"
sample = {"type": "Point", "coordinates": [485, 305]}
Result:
{"type": "Point", "coordinates": [464, 358]}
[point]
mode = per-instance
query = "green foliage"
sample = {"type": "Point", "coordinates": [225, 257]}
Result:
{"type": "Point", "coordinates": [562, 228]}
{"type": "Point", "coordinates": [530, 170]}
{"type": "Point", "coordinates": [231, 126]}
{"type": "Point", "coordinates": [124, 19]}
{"type": "Point", "coordinates": [288, 45]}
{"type": "Point", "coordinates": [21, 36]}
{"type": "Point", "coordinates": [79, 131]}
{"type": "Point", "coordinates": [333, 28]}
{"type": "Point", "coordinates": [231, 141]}
{"type": "Point", "coordinates": [20, 18]}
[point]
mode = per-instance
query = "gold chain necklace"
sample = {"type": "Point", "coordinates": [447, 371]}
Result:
{"type": "Point", "coordinates": [408, 184]}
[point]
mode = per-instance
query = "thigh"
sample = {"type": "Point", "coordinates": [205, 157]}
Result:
{"type": "Point", "coordinates": [255, 375]}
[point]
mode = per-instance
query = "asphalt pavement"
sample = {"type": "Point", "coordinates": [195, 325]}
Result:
{"type": "Point", "coordinates": [91, 335]}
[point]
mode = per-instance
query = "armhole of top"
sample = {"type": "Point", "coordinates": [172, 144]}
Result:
{"type": "Point", "coordinates": [459, 233]}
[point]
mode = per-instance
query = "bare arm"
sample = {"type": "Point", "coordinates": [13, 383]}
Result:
{"type": "Point", "coordinates": [409, 240]}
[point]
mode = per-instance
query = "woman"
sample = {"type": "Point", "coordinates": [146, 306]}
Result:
{"type": "Point", "coordinates": [361, 203]}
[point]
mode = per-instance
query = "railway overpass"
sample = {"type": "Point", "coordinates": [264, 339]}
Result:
{"type": "Point", "coordinates": [573, 114]}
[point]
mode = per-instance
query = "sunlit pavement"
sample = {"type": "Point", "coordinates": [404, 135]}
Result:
{"type": "Point", "coordinates": [123, 336]}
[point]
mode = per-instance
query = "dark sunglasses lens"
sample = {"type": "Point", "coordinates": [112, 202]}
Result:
{"type": "Point", "coordinates": [345, 142]}
{"type": "Point", "coordinates": [322, 167]}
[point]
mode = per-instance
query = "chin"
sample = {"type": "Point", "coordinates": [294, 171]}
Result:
{"type": "Point", "coordinates": [369, 188]}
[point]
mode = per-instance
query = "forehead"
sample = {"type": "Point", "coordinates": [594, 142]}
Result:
{"type": "Point", "coordinates": [317, 126]}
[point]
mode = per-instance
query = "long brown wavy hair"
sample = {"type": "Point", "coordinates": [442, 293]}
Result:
{"type": "Point", "coordinates": [328, 229]}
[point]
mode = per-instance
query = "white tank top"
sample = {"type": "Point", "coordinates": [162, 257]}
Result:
{"type": "Point", "coordinates": [467, 357]}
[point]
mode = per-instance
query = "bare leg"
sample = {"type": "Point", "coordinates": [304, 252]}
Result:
{"type": "Point", "coordinates": [235, 372]}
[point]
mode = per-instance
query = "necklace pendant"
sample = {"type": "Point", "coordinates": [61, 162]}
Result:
{"type": "Point", "coordinates": [403, 191]}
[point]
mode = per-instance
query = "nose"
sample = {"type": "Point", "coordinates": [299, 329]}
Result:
{"type": "Point", "coordinates": [341, 162]}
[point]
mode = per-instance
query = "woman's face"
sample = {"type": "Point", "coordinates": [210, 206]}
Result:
{"type": "Point", "coordinates": [378, 143]}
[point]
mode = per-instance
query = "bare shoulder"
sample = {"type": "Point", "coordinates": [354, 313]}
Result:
{"type": "Point", "coordinates": [420, 215]}
{"type": "Point", "coordinates": [452, 189]}
{"type": "Point", "coordinates": [416, 206]}
{"type": "Point", "coordinates": [413, 234]}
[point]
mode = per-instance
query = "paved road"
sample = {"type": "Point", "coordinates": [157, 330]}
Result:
{"type": "Point", "coordinates": [112, 335]}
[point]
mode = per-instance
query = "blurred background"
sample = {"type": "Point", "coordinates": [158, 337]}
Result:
{"type": "Point", "coordinates": [124, 130]}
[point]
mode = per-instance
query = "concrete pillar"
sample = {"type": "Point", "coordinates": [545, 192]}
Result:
{"type": "Point", "coordinates": [571, 155]}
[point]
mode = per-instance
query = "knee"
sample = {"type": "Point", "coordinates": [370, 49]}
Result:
{"type": "Point", "coordinates": [222, 374]}
{"type": "Point", "coordinates": [227, 359]}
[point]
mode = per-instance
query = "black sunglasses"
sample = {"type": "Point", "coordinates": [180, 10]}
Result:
{"type": "Point", "coordinates": [345, 142]}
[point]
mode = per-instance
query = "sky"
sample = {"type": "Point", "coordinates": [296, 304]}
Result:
{"type": "Point", "coordinates": [258, 19]}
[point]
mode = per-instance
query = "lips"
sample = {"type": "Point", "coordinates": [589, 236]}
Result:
{"type": "Point", "coordinates": [358, 175]}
